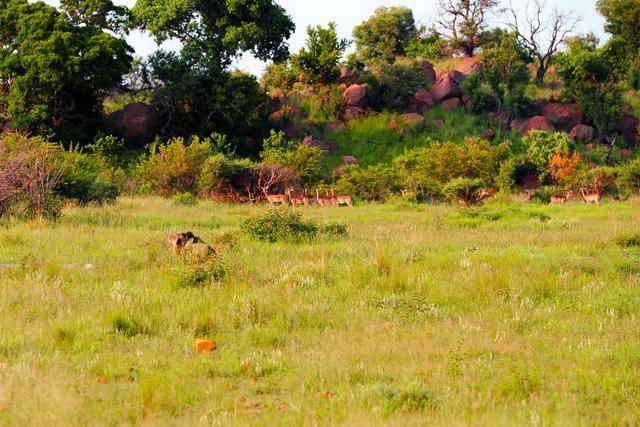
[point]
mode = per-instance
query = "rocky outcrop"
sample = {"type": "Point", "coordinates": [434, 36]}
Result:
{"type": "Point", "coordinates": [352, 112]}
{"type": "Point", "coordinates": [469, 66]}
{"type": "Point", "coordinates": [348, 76]}
{"type": "Point", "coordinates": [428, 71]}
{"type": "Point", "coordinates": [411, 118]}
{"type": "Point", "coordinates": [326, 146]}
{"type": "Point", "coordinates": [488, 134]}
{"type": "Point", "coordinates": [136, 123]}
{"type": "Point", "coordinates": [581, 133]}
{"type": "Point", "coordinates": [452, 104]}
{"type": "Point", "coordinates": [288, 112]}
{"type": "Point", "coordinates": [422, 100]}
{"type": "Point", "coordinates": [349, 160]}
{"type": "Point", "coordinates": [562, 116]}
{"type": "Point", "coordinates": [447, 86]}
{"type": "Point", "coordinates": [356, 96]}
{"type": "Point", "coordinates": [523, 127]}
{"type": "Point", "coordinates": [628, 128]}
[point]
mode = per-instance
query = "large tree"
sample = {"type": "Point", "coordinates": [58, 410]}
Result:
{"type": "Point", "coordinates": [319, 59]}
{"type": "Point", "coordinates": [55, 69]}
{"type": "Point", "coordinates": [623, 20]}
{"type": "Point", "coordinates": [197, 92]}
{"type": "Point", "coordinates": [542, 34]}
{"type": "Point", "coordinates": [385, 35]}
{"type": "Point", "coordinates": [464, 22]}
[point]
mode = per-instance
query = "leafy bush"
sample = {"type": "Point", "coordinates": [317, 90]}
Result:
{"type": "Point", "coordinates": [629, 177]}
{"type": "Point", "coordinates": [429, 46]}
{"type": "Point", "coordinates": [175, 167]}
{"type": "Point", "coordinates": [30, 170]}
{"type": "Point", "coordinates": [318, 60]}
{"type": "Point", "coordinates": [628, 240]}
{"type": "Point", "coordinates": [83, 179]}
{"type": "Point", "coordinates": [391, 86]}
{"type": "Point", "coordinates": [334, 231]}
{"type": "Point", "coordinates": [222, 174]}
{"type": "Point", "coordinates": [328, 105]}
{"type": "Point", "coordinates": [279, 224]}
{"type": "Point", "coordinates": [413, 396]}
{"type": "Point", "coordinates": [305, 161]}
{"type": "Point", "coordinates": [200, 272]}
{"type": "Point", "coordinates": [184, 199]}
{"type": "Point", "coordinates": [372, 183]}
{"type": "Point", "coordinates": [480, 99]}
{"type": "Point", "coordinates": [464, 190]}
{"type": "Point", "coordinates": [279, 78]}
{"type": "Point", "coordinates": [541, 146]}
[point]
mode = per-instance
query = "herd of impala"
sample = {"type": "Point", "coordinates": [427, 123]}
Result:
{"type": "Point", "coordinates": [588, 196]}
{"type": "Point", "coordinates": [305, 200]}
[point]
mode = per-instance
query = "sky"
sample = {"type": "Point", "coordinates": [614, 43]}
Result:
{"type": "Point", "coordinates": [349, 13]}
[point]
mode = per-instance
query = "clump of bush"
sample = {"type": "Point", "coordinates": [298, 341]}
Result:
{"type": "Point", "coordinates": [628, 240]}
{"type": "Point", "coordinates": [184, 199]}
{"type": "Point", "coordinates": [83, 179]}
{"type": "Point", "coordinates": [391, 86]}
{"type": "Point", "coordinates": [334, 230]}
{"type": "Point", "coordinates": [279, 224]}
{"type": "Point", "coordinates": [201, 272]}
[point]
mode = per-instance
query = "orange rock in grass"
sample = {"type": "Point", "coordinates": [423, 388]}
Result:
{"type": "Point", "coordinates": [205, 346]}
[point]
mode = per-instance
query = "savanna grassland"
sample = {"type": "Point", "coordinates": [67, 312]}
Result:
{"type": "Point", "coordinates": [424, 315]}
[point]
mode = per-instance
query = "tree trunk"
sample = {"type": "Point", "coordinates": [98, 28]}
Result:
{"type": "Point", "coordinates": [542, 71]}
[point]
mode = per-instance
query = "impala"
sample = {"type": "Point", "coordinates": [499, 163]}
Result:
{"type": "Point", "coordinates": [592, 198]}
{"type": "Point", "coordinates": [558, 200]}
{"type": "Point", "coordinates": [277, 199]}
{"type": "Point", "coordinates": [302, 199]}
{"type": "Point", "coordinates": [341, 200]}
{"type": "Point", "coordinates": [528, 195]}
{"type": "Point", "coordinates": [323, 200]}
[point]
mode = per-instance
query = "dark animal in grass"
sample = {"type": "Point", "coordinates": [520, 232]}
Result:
{"type": "Point", "coordinates": [189, 244]}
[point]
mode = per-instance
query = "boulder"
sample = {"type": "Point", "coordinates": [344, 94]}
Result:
{"type": "Point", "coordinates": [488, 134]}
{"type": "Point", "coordinates": [335, 126]}
{"type": "Point", "coordinates": [352, 112]}
{"type": "Point", "coordinates": [452, 104]}
{"type": "Point", "coordinates": [349, 160]}
{"type": "Point", "coordinates": [136, 123]}
{"type": "Point", "coordinates": [411, 118]}
{"type": "Point", "coordinates": [469, 66]}
{"type": "Point", "coordinates": [628, 128]}
{"type": "Point", "coordinates": [326, 146]}
{"type": "Point", "coordinates": [428, 71]}
{"type": "Point", "coordinates": [288, 112]}
{"type": "Point", "coordinates": [534, 123]}
{"type": "Point", "coordinates": [626, 153]}
{"type": "Point", "coordinates": [422, 100]}
{"type": "Point", "coordinates": [356, 96]}
{"type": "Point", "coordinates": [563, 116]}
{"type": "Point", "coordinates": [439, 123]}
{"type": "Point", "coordinates": [581, 133]}
{"type": "Point", "coordinates": [446, 87]}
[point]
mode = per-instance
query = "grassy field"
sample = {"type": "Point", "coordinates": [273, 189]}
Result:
{"type": "Point", "coordinates": [424, 315]}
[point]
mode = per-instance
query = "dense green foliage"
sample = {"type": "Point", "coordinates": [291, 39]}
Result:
{"type": "Point", "coordinates": [55, 67]}
{"type": "Point", "coordinates": [385, 35]}
{"type": "Point", "coordinates": [318, 61]}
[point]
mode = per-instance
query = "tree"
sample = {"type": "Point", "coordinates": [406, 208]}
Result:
{"type": "Point", "coordinates": [385, 35]}
{"type": "Point", "coordinates": [54, 70]}
{"type": "Point", "coordinates": [594, 77]}
{"type": "Point", "coordinates": [194, 87]}
{"type": "Point", "coordinates": [623, 20]}
{"type": "Point", "coordinates": [542, 35]}
{"type": "Point", "coordinates": [464, 22]}
{"type": "Point", "coordinates": [319, 60]}
{"type": "Point", "coordinates": [97, 14]}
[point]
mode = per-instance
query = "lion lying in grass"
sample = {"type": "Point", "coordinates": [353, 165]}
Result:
{"type": "Point", "coordinates": [189, 244]}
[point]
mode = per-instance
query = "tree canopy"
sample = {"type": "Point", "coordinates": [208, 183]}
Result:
{"type": "Point", "coordinates": [320, 58]}
{"type": "Point", "coordinates": [385, 35]}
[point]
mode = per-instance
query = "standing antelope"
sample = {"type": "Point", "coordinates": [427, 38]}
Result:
{"type": "Point", "coordinates": [341, 200]}
{"type": "Point", "coordinates": [302, 199]}
{"type": "Point", "coordinates": [558, 200]}
{"type": "Point", "coordinates": [277, 199]}
{"type": "Point", "coordinates": [592, 198]}
{"type": "Point", "coordinates": [323, 200]}
{"type": "Point", "coordinates": [528, 196]}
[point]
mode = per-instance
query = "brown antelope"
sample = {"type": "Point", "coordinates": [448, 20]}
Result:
{"type": "Point", "coordinates": [302, 199]}
{"type": "Point", "coordinates": [341, 200]}
{"type": "Point", "coordinates": [277, 199]}
{"type": "Point", "coordinates": [323, 200]}
{"type": "Point", "coordinates": [485, 194]}
{"type": "Point", "coordinates": [559, 199]}
{"type": "Point", "coordinates": [592, 198]}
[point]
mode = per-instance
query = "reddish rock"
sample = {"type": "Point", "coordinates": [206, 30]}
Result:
{"type": "Point", "coordinates": [205, 346]}
{"type": "Point", "coordinates": [428, 71]}
{"type": "Point", "coordinates": [298, 130]}
{"type": "Point", "coordinates": [352, 112]}
{"type": "Point", "coordinates": [422, 100]}
{"type": "Point", "coordinates": [412, 118]}
{"type": "Point", "coordinates": [563, 116]}
{"type": "Point", "coordinates": [488, 134]}
{"type": "Point", "coordinates": [393, 125]}
{"type": "Point", "coordinates": [534, 123]}
{"type": "Point", "coordinates": [626, 153]}
{"type": "Point", "coordinates": [342, 87]}
{"type": "Point", "coordinates": [439, 123]}
{"type": "Point", "coordinates": [136, 123]}
{"type": "Point", "coordinates": [326, 146]}
{"type": "Point", "coordinates": [446, 87]}
{"type": "Point", "coordinates": [469, 66]}
{"type": "Point", "coordinates": [628, 128]}
{"type": "Point", "coordinates": [452, 104]}
{"type": "Point", "coordinates": [581, 133]}
{"type": "Point", "coordinates": [356, 96]}
{"type": "Point", "coordinates": [288, 112]}
{"type": "Point", "coordinates": [349, 160]}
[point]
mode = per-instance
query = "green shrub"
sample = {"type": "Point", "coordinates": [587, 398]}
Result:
{"type": "Point", "coordinates": [184, 199]}
{"type": "Point", "coordinates": [198, 273]}
{"type": "Point", "coordinates": [174, 167]}
{"type": "Point", "coordinates": [303, 160]}
{"type": "Point", "coordinates": [391, 86]}
{"type": "Point", "coordinates": [629, 177]}
{"type": "Point", "coordinates": [465, 190]}
{"type": "Point", "coordinates": [413, 396]}
{"type": "Point", "coordinates": [430, 47]}
{"type": "Point", "coordinates": [480, 99]}
{"type": "Point", "coordinates": [279, 78]}
{"type": "Point", "coordinates": [222, 174]}
{"type": "Point", "coordinates": [628, 240]}
{"type": "Point", "coordinates": [334, 231]}
{"type": "Point", "coordinates": [327, 105]}
{"type": "Point", "coordinates": [541, 146]}
{"type": "Point", "coordinates": [84, 180]}
{"type": "Point", "coordinates": [372, 183]}
{"type": "Point", "coordinates": [279, 224]}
